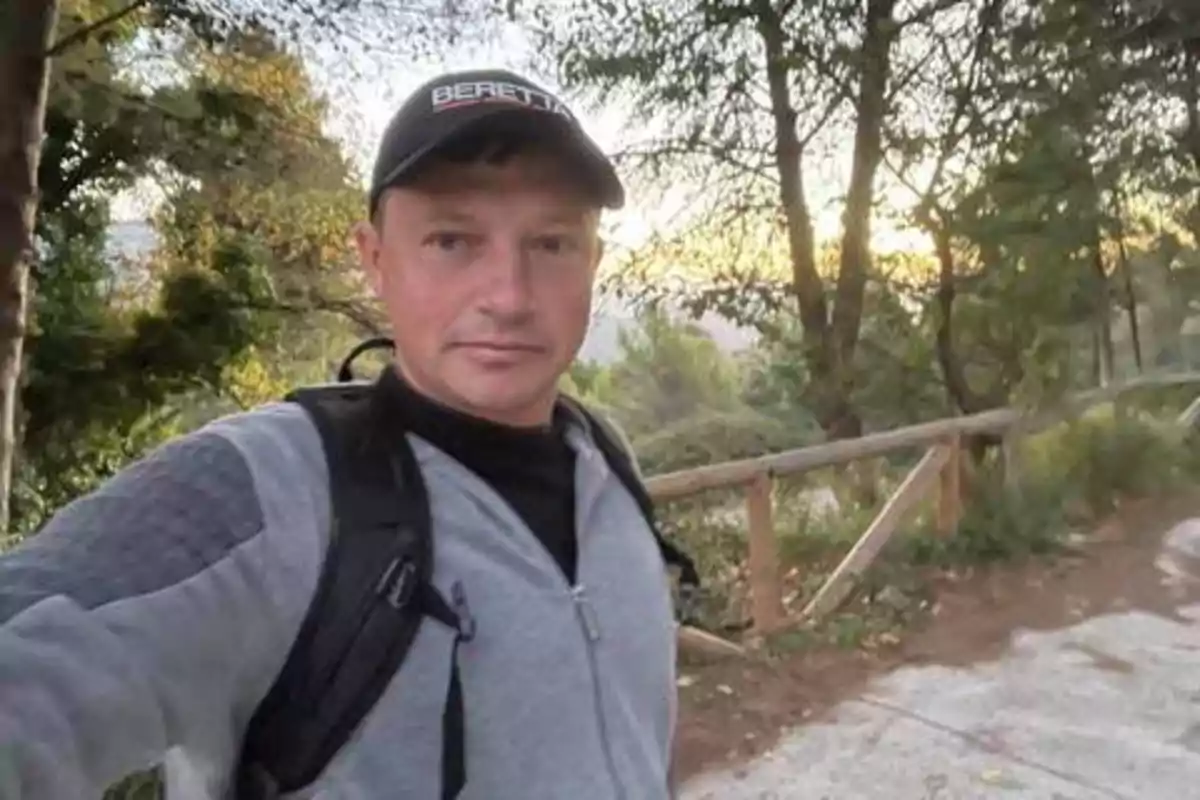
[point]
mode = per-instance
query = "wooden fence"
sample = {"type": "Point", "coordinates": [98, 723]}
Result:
{"type": "Point", "coordinates": [940, 470]}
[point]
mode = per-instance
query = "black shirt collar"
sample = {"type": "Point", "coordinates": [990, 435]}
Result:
{"type": "Point", "coordinates": [472, 441]}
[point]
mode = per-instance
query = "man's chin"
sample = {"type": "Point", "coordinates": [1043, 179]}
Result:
{"type": "Point", "coordinates": [507, 400]}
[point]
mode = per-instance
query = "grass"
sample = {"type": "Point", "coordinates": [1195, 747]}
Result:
{"type": "Point", "coordinates": [1071, 478]}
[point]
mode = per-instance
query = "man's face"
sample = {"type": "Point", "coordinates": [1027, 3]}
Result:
{"type": "Point", "coordinates": [486, 272]}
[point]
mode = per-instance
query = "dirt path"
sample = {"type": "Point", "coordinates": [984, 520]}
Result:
{"type": "Point", "coordinates": [732, 712]}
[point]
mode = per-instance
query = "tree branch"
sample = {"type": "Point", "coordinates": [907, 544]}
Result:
{"type": "Point", "coordinates": [901, 175]}
{"type": "Point", "coordinates": [928, 12]}
{"type": "Point", "coordinates": [85, 32]}
{"type": "Point", "coordinates": [718, 152]}
{"type": "Point", "coordinates": [900, 84]}
{"type": "Point", "coordinates": [831, 108]}
{"type": "Point", "coordinates": [989, 16]}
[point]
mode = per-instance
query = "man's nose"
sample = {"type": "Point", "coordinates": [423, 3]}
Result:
{"type": "Point", "coordinates": [508, 293]}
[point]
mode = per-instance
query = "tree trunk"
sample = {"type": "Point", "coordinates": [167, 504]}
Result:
{"type": "Point", "coordinates": [1103, 321]}
{"type": "Point", "coordinates": [1102, 298]}
{"type": "Point", "coordinates": [871, 108]}
{"type": "Point", "coordinates": [964, 398]}
{"type": "Point", "coordinates": [1130, 294]}
{"type": "Point", "coordinates": [26, 32]}
{"type": "Point", "coordinates": [948, 360]}
{"type": "Point", "coordinates": [831, 400]}
{"type": "Point", "coordinates": [830, 346]}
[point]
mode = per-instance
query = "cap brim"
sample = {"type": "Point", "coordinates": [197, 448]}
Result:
{"type": "Point", "coordinates": [600, 173]}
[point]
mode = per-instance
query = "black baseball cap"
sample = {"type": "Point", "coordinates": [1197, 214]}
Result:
{"type": "Point", "coordinates": [446, 114]}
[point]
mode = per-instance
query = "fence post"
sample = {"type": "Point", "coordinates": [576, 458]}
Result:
{"type": "Point", "coordinates": [766, 598]}
{"type": "Point", "coordinates": [950, 501]}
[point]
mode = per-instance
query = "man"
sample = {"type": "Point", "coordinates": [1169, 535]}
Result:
{"type": "Point", "coordinates": [149, 619]}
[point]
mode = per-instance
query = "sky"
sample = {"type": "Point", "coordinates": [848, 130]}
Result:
{"type": "Point", "coordinates": [367, 91]}
{"type": "Point", "coordinates": [366, 88]}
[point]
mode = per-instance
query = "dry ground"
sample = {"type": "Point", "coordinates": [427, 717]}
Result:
{"type": "Point", "coordinates": [732, 711]}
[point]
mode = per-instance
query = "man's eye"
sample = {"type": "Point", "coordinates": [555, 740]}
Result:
{"type": "Point", "coordinates": [448, 240]}
{"type": "Point", "coordinates": [555, 243]}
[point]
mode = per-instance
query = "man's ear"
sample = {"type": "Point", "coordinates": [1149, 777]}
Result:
{"type": "Point", "coordinates": [367, 240]}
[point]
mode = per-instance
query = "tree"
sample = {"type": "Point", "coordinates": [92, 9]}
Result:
{"type": "Point", "coordinates": [742, 96]}
{"type": "Point", "coordinates": [225, 310]}
{"type": "Point", "coordinates": [1026, 143]}
{"type": "Point", "coordinates": [90, 336]}
{"type": "Point", "coordinates": [678, 397]}
{"type": "Point", "coordinates": [26, 31]}
{"type": "Point", "coordinates": [270, 185]}
{"type": "Point", "coordinates": [28, 46]}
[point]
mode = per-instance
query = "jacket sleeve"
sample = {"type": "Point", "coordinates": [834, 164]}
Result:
{"type": "Point", "coordinates": [150, 616]}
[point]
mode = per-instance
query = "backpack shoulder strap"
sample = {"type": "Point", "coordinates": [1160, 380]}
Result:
{"type": "Point", "coordinates": [373, 594]}
{"type": "Point", "coordinates": [619, 455]}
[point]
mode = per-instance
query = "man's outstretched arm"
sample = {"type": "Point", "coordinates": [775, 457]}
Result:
{"type": "Point", "coordinates": [152, 614]}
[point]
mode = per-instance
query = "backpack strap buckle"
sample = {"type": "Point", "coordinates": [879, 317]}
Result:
{"type": "Point", "coordinates": [398, 583]}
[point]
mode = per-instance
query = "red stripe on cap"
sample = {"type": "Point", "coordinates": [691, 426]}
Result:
{"type": "Point", "coordinates": [478, 100]}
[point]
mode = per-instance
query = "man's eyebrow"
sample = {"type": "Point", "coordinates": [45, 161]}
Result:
{"type": "Point", "coordinates": [445, 214]}
{"type": "Point", "coordinates": [566, 217]}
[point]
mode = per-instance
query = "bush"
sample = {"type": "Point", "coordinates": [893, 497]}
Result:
{"type": "Point", "coordinates": [1165, 403]}
{"type": "Point", "coordinates": [1072, 476]}
{"type": "Point", "coordinates": [1100, 461]}
{"type": "Point", "coordinates": [998, 523]}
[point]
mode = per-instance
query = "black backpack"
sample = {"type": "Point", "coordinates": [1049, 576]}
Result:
{"type": "Point", "coordinates": [373, 594]}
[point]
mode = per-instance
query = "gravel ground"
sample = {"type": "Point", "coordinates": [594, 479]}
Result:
{"type": "Point", "coordinates": [1107, 708]}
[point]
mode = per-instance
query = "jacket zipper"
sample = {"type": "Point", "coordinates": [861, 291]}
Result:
{"type": "Point", "coordinates": [588, 620]}
{"type": "Point", "coordinates": [591, 632]}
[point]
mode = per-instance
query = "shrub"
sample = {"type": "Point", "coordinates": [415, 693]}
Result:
{"type": "Point", "coordinates": [998, 523]}
{"type": "Point", "coordinates": [1099, 461]}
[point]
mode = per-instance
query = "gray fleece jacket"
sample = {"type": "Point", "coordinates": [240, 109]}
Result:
{"type": "Point", "coordinates": [148, 619]}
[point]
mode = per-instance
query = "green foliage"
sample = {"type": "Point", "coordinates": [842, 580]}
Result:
{"type": "Point", "coordinates": [667, 371]}
{"type": "Point", "coordinates": [1034, 222]}
{"type": "Point", "coordinates": [1099, 461]}
{"type": "Point", "coordinates": [1072, 477]}
{"type": "Point", "coordinates": [250, 240]}
{"type": "Point", "coordinates": [816, 523]}
{"type": "Point", "coordinates": [679, 398]}
{"type": "Point", "coordinates": [999, 523]}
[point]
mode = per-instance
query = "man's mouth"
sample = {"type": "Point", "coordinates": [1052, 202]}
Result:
{"type": "Point", "coordinates": [498, 354]}
{"type": "Point", "coordinates": [500, 347]}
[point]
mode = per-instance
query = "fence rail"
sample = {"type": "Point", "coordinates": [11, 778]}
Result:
{"type": "Point", "coordinates": [940, 470]}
